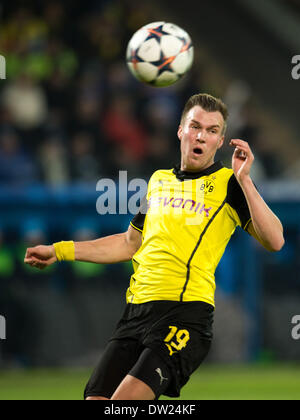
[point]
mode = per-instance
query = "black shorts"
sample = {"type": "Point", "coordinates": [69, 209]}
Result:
{"type": "Point", "coordinates": [161, 342]}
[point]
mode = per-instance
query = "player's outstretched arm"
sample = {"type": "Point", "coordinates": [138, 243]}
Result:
{"type": "Point", "coordinates": [108, 250]}
{"type": "Point", "coordinates": [265, 225]}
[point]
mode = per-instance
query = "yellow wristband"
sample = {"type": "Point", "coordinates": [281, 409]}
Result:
{"type": "Point", "coordinates": [65, 251]}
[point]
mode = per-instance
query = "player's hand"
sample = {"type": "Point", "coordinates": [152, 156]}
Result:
{"type": "Point", "coordinates": [40, 256]}
{"type": "Point", "coordinates": [242, 159]}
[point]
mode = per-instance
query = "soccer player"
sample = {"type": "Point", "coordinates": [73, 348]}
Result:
{"type": "Point", "coordinates": [175, 242]}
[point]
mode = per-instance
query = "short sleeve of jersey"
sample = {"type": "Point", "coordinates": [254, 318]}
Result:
{"type": "Point", "coordinates": [237, 200]}
{"type": "Point", "coordinates": [138, 221]}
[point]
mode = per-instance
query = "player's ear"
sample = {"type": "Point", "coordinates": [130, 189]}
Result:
{"type": "Point", "coordinates": [179, 132]}
{"type": "Point", "coordinates": [221, 142]}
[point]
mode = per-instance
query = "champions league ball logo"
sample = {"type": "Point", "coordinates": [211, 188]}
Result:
{"type": "Point", "coordinates": [159, 54]}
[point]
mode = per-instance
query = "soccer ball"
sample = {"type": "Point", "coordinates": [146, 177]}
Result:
{"type": "Point", "coordinates": [160, 53]}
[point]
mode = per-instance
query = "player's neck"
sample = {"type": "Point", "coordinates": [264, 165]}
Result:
{"type": "Point", "coordinates": [185, 174]}
{"type": "Point", "coordinates": [186, 169]}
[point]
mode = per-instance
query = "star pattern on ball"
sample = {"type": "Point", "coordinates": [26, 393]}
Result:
{"type": "Point", "coordinates": [159, 54]}
{"type": "Point", "coordinates": [135, 59]}
{"type": "Point", "coordinates": [156, 33]}
{"type": "Point", "coordinates": [164, 63]}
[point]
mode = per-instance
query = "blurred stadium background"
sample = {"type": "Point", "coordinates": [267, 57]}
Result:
{"type": "Point", "coordinates": [72, 114]}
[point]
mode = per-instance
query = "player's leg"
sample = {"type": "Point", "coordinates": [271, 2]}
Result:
{"type": "Point", "coordinates": [117, 359]}
{"type": "Point", "coordinates": [132, 388]}
{"type": "Point", "coordinates": [147, 380]}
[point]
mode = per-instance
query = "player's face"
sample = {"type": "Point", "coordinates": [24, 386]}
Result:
{"type": "Point", "coordinates": [201, 135]}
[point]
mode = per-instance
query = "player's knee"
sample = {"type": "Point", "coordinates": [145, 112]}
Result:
{"type": "Point", "coordinates": [132, 388]}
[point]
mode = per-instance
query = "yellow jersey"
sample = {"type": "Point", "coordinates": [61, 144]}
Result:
{"type": "Point", "coordinates": [186, 222]}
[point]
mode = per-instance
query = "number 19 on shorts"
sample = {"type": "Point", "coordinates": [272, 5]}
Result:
{"type": "Point", "coordinates": [176, 340]}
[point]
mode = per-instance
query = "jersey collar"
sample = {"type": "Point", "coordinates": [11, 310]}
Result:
{"type": "Point", "coordinates": [182, 175]}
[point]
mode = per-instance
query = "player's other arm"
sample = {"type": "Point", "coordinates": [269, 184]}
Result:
{"type": "Point", "coordinates": [107, 250]}
{"type": "Point", "coordinates": [265, 225]}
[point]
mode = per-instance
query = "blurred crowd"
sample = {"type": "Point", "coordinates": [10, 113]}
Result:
{"type": "Point", "coordinates": [293, 5]}
{"type": "Point", "coordinates": [71, 112]}
{"type": "Point", "coordinates": [70, 109]}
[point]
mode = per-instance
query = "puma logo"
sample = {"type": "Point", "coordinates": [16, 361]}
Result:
{"type": "Point", "coordinates": [158, 370]}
